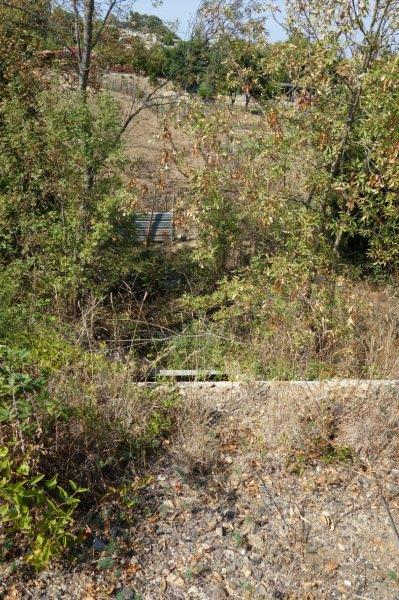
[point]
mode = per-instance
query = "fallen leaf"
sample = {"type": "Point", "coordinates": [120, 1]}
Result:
{"type": "Point", "coordinates": [331, 566]}
{"type": "Point", "coordinates": [132, 569]}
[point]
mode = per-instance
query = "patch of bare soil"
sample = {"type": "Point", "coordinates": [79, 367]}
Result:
{"type": "Point", "coordinates": [161, 155]}
{"type": "Point", "coordinates": [260, 495]}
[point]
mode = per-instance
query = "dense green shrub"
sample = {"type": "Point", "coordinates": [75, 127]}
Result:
{"type": "Point", "coordinates": [36, 513]}
{"type": "Point", "coordinates": [61, 238]}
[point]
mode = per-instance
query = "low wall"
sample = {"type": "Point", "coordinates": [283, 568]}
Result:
{"type": "Point", "coordinates": [257, 389]}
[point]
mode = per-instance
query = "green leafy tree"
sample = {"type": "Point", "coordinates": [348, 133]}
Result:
{"type": "Point", "coordinates": [246, 70]}
{"type": "Point", "coordinates": [188, 62]}
{"type": "Point", "coordinates": [242, 19]}
{"type": "Point", "coordinates": [235, 30]}
{"type": "Point", "coordinates": [51, 232]}
{"type": "Point", "coordinates": [49, 226]}
{"type": "Point", "coordinates": [333, 56]}
{"type": "Point", "coordinates": [152, 24]}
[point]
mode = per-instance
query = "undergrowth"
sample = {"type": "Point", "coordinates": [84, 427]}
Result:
{"type": "Point", "coordinates": [65, 441]}
{"type": "Point", "coordinates": [255, 329]}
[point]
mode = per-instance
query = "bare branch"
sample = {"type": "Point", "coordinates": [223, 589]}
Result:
{"type": "Point", "coordinates": [111, 7]}
{"type": "Point", "coordinates": [145, 104]}
{"type": "Point", "coordinates": [387, 509]}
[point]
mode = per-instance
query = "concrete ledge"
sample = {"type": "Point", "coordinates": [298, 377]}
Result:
{"type": "Point", "coordinates": [334, 383]}
{"type": "Point", "coordinates": [320, 386]}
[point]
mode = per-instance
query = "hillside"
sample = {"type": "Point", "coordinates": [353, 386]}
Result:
{"type": "Point", "coordinates": [150, 24]}
{"type": "Point", "coordinates": [162, 164]}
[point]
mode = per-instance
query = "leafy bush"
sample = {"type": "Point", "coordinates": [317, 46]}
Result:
{"type": "Point", "coordinates": [36, 514]}
{"type": "Point", "coordinates": [206, 90]}
{"type": "Point", "coordinates": [138, 420]}
{"type": "Point", "coordinates": [58, 237]}
{"type": "Point", "coordinates": [312, 327]}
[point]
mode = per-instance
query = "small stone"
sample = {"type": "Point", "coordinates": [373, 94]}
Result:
{"type": "Point", "coordinates": [255, 558]}
{"type": "Point", "coordinates": [248, 527]}
{"type": "Point", "coordinates": [235, 480]}
{"type": "Point", "coordinates": [127, 594]}
{"type": "Point", "coordinates": [193, 591]}
{"type": "Point", "coordinates": [218, 593]}
{"type": "Point", "coordinates": [247, 572]}
{"type": "Point", "coordinates": [212, 524]}
{"type": "Point", "coordinates": [167, 507]}
{"type": "Point", "coordinates": [255, 541]}
{"type": "Point", "coordinates": [261, 590]}
{"type": "Point", "coordinates": [175, 580]}
{"type": "Point", "coordinates": [229, 515]}
{"type": "Point", "coordinates": [205, 548]}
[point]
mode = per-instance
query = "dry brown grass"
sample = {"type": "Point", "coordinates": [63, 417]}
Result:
{"type": "Point", "coordinates": [196, 445]}
{"type": "Point", "coordinates": [317, 475]}
{"type": "Point", "coordinates": [354, 336]}
{"type": "Point", "coordinates": [274, 494]}
{"type": "Point", "coordinates": [108, 429]}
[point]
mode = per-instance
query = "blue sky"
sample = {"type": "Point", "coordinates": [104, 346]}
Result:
{"type": "Point", "coordinates": [183, 10]}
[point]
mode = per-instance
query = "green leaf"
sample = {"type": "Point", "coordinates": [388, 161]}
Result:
{"type": "Point", "coordinates": [23, 469]}
{"type": "Point", "coordinates": [36, 480]}
{"type": "Point", "coordinates": [105, 563]}
{"type": "Point", "coordinates": [3, 451]}
{"type": "Point", "coordinates": [51, 483]}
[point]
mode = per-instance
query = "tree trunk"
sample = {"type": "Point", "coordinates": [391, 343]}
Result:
{"type": "Point", "coordinates": [87, 42]}
{"type": "Point", "coordinates": [247, 92]}
{"type": "Point", "coordinates": [89, 179]}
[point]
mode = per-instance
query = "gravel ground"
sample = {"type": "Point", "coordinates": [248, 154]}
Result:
{"type": "Point", "coordinates": [246, 526]}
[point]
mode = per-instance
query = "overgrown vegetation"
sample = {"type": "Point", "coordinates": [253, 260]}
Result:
{"type": "Point", "coordinates": [56, 457]}
{"type": "Point", "coordinates": [295, 214]}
